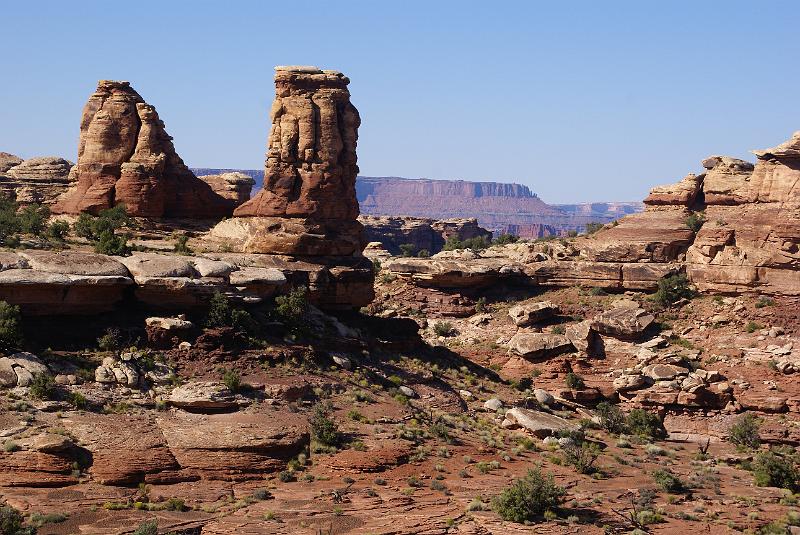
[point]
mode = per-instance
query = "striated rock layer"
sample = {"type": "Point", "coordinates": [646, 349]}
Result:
{"type": "Point", "coordinates": [125, 156]}
{"type": "Point", "coordinates": [36, 180]}
{"type": "Point", "coordinates": [422, 234]}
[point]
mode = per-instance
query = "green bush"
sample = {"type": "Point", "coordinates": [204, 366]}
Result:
{"type": "Point", "coordinates": [57, 231]}
{"type": "Point", "coordinates": [111, 340]}
{"type": "Point", "coordinates": [101, 230]}
{"type": "Point", "coordinates": [42, 386]}
{"type": "Point", "coordinates": [423, 253]}
{"type": "Point", "coordinates": [528, 498]}
{"type": "Point", "coordinates": [752, 326]}
{"type": "Point", "coordinates": [443, 328]}
{"type": "Point", "coordinates": [476, 244]}
{"type": "Point", "coordinates": [503, 239]}
{"type": "Point", "coordinates": [11, 522]}
{"type": "Point", "coordinates": [323, 429]}
{"type": "Point", "coordinates": [581, 456]}
{"type": "Point", "coordinates": [765, 302]}
{"type": "Point", "coordinates": [10, 326]}
{"type": "Point", "coordinates": [744, 431]}
{"type": "Point", "coordinates": [219, 311]}
{"type": "Point", "coordinates": [9, 223]}
{"type": "Point", "coordinates": [181, 244]}
{"type": "Point", "coordinates": [112, 244]}
{"type": "Point", "coordinates": [407, 249]}
{"type": "Point", "coordinates": [695, 221]}
{"type": "Point", "coordinates": [33, 219]}
{"type": "Point", "coordinates": [292, 306]}
{"type": "Point", "coordinates": [773, 470]}
{"type": "Point", "coordinates": [591, 228]}
{"type": "Point", "coordinates": [644, 424]}
{"type": "Point", "coordinates": [673, 288]}
{"type": "Point", "coordinates": [232, 380]}
{"type": "Point", "coordinates": [77, 400]}
{"type": "Point", "coordinates": [668, 481]}
{"type": "Point", "coordinates": [148, 527]}
{"type": "Point", "coordinates": [574, 381]}
{"type": "Point", "coordinates": [612, 419]}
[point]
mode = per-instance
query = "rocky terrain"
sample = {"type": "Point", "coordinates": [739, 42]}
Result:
{"type": "Point", "coordinates": [291, 368]}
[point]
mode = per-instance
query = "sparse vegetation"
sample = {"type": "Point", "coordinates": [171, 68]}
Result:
{"type": "Point", "coordinates": [672, 289]}
{"type": "Point", "coordinates": [574, 381]}
{"type": "Point", "coordinates": [478, 243]}
{"type": "Point", "coordinates": [423, 253]}
{"type": "Point", "coordinates": [528, 497]}
{"type": "Point", "coordinates": [324, 430]}
{"type": "Point", "coordinates": [644, 424]}
{"type": "Point", "coordinates": [232, 380]}
{"type": "Point", "coordinates": [744, 431]}
{"type": "Point", "coordinates": [10, 326]}
{"type": "Point", "coordinates": [11, 522]}
{"type": "Point", "coordinates": [591, 228]}
{"type": "Point", "coordinates": [443, 328]}
{"type": "Point", "coordinates": [765, 302]}
{"type": "Point", "coordinates": [148, 527]}
{"type": "Point", "coordinates": [695, 220]}
{"type": "Point", "coordinates": [773, 470]}
{"type": "Point", "coordinates": [503, 239]}
{"type": "Point", "coordinates": [668, 481]}
{"type": "Point", "coordinates": [581, 456]}
{"type": "Point", "coordinates": [42, 386]}
{"type": "Point", "coordinates": [407, 249]}
{"type": "Point", "coordinates": [182, 244]}
{"type": "Point", "coordinates": [612, 419]}
{"type": "Point", "coordinates": [102, 230]}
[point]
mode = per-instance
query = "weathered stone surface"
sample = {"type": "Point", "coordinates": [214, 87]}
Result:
{"type": "Point", "coordinates": [529, 313]}
{"type": "Point", "coordinates": [44, 168]}
{"type": "Point", "coordinates": [205, 395]}
{"type": "Point", "coordinates": [663, 372]}
{"type": "Point", "coordinates": [235, 187]}
{"type": "Point", "coordinates": [20, 368]}
{"type": "Point", "coordinates": [423, 234]}
{"type": "Point", "coordinates": [454, 273]}
{"type": "Point", "coordinates": [582, 336]}
{"type": "Point", "coordinates": [37, 180]}
{"type": "Point", "coordinates": [126, 157]}
{"type": "Point", "coordinates": [682, 193]}
{"type": "Point", "coordinates": [8, 160]}
{"type": "Point", "coordinates": [539, 345]}
{"type": "Point", "coordinates": [622, 322]}
{"type": "Point", "coordinates": [727, 180]}
{"type": "Point", "coordinates": [541, 424]}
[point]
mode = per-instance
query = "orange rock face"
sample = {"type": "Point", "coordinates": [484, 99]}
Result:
{"type": "Point", "coordinates": [126, 157]}
{"type": "Point", "coordinates": [311, 156]}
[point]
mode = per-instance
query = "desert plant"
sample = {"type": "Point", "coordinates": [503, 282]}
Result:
{"type": "Point", "coordinates": [148, 527]}
{"type": "Point", "coordinates": [33, 219]}
{"type": "Point", "coordinates": [10, 326]}
{"type": "Point", "coordinates": [528, 497]}
{"type": "Point", "coordinates": [765, 302]}
{"type": "Point", "coordinates": [423, 253]}
{"type": "Point", "coordinates": [612, 419]}
{"type": "Point", "coordinates": [443, 328]}
{"type": "Point", "coordinates": [503, 239]}
{"type": "Point", "coordinates": [56, 231]}
{"type": "Point", "coordinates": [101, 230]}
{"type": "Point", "coordinates": [752, 326]}
{"type": "Point", "coordinates": [110, 340]}
{"type": "Point", "coordinates": [581, 456]}
{"type": "Point", "coordinates": [11, 522]}
{"type": "Point", "coordinates": [574, 381]}
{"type": "Point", "coordinates": [232, 380]}
{"type": "Point", "coordinates": [591, 228]}
{"type": "Point", "coordinates": [324, 429]}
{"type": "Point", "coordinates": [695, 220]}
{"type": "Point", "coordinates": [773, 470]}
{"type": "Point", "coordinates": [291, 307]}
{"type": "Point", "coordinates": [668, 481]}
{"type": "Point", "coordinates": [644, 424]}
{"type": "Point", "coordinates": [219, 311]}
{"type": "Point", "coordinates": [42, 386]}
{"type": "Point", "coordinates": [77, 400]}
{"type": "Point", "coordinates": [182, 244]}
{"type": "Point", "coordinates": [673, 288]}
{"type": "Point", "coordinates": [407, 249]}
{"type": "Point", "coordinates": [9, 223]}
{"type": "Point", "coordinates": [744, 431]}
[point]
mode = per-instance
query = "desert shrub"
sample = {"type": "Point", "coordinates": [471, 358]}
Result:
{"type": "Point", "coordinates": [291, 307]}
{"type": "Point", "coordinates": [591, 228]}
{"type": "Point", "coordinates": [597, 292]}
{"type": "Point", "coordinates": [101, 230]}
{"type": "Point", "coordinates": [773, 470]}
{"type": "Point", "coordinates": [42, 386]}
{"type": "Point", "coordinates": [33, 219]}
{"type": "Point", "coordinates": [56, 231]}
{"type": "Point", "coordinates": [644, 424]}
{"type": "Point", "coordinates": [110, 340]}
{"type": "Point", "coordinates": [40, 519]}
{"type": "Point", "coordinates": [443, 328]}
{"type": "Point", "coordinates": [323, 429]}
{"type": "Point", "coordinates": [148, 527]}
{"type": "Point", "coordinates": [407, 249]}
{"type": "Point", "coordinates": [612, 419]}
{"type": "Point", "coordinates": [9, 223]}
{"type": "Point", "coordinates": [262, 494]}
{"type": "Point", "coordinates": [528, 497]}
{"type": "Point", "coordinates": [574, 381]}
{"type": "Point", "coordinates": [480, 304]}
{"type": "Point", "coordinates": [77, 400]}
{"type": "Point", "coordinates": [476, 244]}
{"type": "Point", "coordinates": [232, 380]}
{"type": "Point", "coordinates": [10, 326]}
{"type": "Point", "coordinates": [423, 253]}
{"type": "Point", "coordinates": [581, 456]}
{"type": "Point", "coordinates": [503, 239]}
{"type": "Point", "coordinates": [744, 431]}
{"type": "Point", "coordinates": [11, 522]}
{"type": "Point", "coordinates": [219, 311]}
{"type": "Point", "coordinates": [559, 329]}
{"type": "Point", "coordinates": [668, 481]}
{"type": "Point", "coordinates": [673, 288]}
{"type": "Point", "coordinates": [765, 302]}
{"type": "Point", "coordinates": [695, 220]}
{"type": "Point", "coordinates": [286, 476]}
{"type": "Point", "coordinates": [243, 321]}
{"type": "Point", "coordinates": [182, 244]}
{"type": "Point", "coordinates": [752, 326]}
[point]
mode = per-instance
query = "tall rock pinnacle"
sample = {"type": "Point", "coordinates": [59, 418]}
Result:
{"type": "Point", "coordinates": [126, 157]}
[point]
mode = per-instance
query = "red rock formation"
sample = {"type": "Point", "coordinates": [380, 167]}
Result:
{"type": "Point", "coordinates": [36, 180]}
{"type": "Point", "coordinates": [126, 157]}
{"type": "Point", "coordinates": [235, 187]}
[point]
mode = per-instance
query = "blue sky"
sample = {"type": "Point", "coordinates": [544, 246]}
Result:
{"type": "Point", "coordinates": [580, 100]}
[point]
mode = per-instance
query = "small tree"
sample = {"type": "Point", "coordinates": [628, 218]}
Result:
{"type": "Point", "coordinates": [645, 424]}
{"type": "Point", "coordinates": [232, 380]}
{"type": "Point", "coordinates": [668, 481]}
{"type": "Point", "coordinates": [695, 221]}
{"type": "Point", "coordinates": [423, 253]}
{"type": "Point", "coordinates": [9, 223]}
{"type": "Point", "coordinates": [772, 470]}
{"type": "Point", "coordinates": [291, 307]}
{"type": "Point", "coordinates": [744, 431]}
{"type": "Point", "coordinates": [503, 239]}
{"type": "Point", "coordinates": [612, 419]}
{"type": "Point", "coordinates": [10, 326]}
{"type": "Point", "coordinates": [673, 288]}
{"type": "Point", "coordinates": [219, 311]}
{"type": "Point", "coordinates": [42, 386]}
{"type": "Point", "coordinates": [33, 219]}
{"type": "Point", "coordinates": [181, 244]}
{"type": "Point", "coordinates": [11, 522]}
{"type": "Point", "coordinates": [407, 249]}
{"type": "Point", "coordinates": [57, 231]}
{"type": "Point", "coordinates": [528, 498]}
{"type": "Point", "coordinates": [574, 381]}
{"type": "Point", "coordinates": [323, 429]}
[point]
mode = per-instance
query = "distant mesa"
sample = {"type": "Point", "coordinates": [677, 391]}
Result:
{"type": "Point", "coordinates": [125, 156]}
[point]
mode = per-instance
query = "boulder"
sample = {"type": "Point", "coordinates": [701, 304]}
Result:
{"type": "Point", "coordinates": [528, 313]}
{"type": "Point", "coordinates": [539, 345]}
{"type": "Point", "coordinates": [683, 193]}
{"type": "Point", "coordinates": [205, 395]}
{"type": "Point", "coordinates": [20, 368]}
{"type": "Point", "coordinates": [663, 372]}
{"type": "Point", "coordinates": [541, 424]}
{"type": "Point", "coordinates": [493, 404]}
{"type": "Point", "coordinates": [622, 322]}
{"type": "Point", "coordinates": [582, 336]}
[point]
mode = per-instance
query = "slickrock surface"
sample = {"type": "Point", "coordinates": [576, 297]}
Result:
{"type": "Point", "coordinates": [126, 157]}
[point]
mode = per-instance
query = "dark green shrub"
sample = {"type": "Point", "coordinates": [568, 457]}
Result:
{"type": "Point", "coordinates": [33, 219]}
{"type": "Point", "coordinates": [9, 223]}
{"type": "Point", "coordinates": [10, 326]}
{"type": "Point", "coordinates": [645, 424]}
{"type": "Point", "coordinates": [77, 400]}
{"type": "Point", "coordinates": [57, 231]}
{"type": "Point", "coordinates": [765, 302]}
{"type": "Point", "coordinates": [744, 431]}
{"type": "Point", "coordinates": [148, 527]}
{"type": "Point", "coordinates": [443, 328]}
{"type": "Point", "coordinates": [323, 429]}
{"type": "Point", "coordinates": [101, 230]}
{"type": "Point", "coordinates": [42, 386]}
{"type": "Point", "coordinates": [232, 380]}
{"type": "Point", "coordinates": [181, 244]}
{"type": "Point", "coordinates": [111, 340]}
{"type": "Point", "coordinates": [291, 307]}
{"type": "Point", "coordinates": [407, 249]}
{"type": "Point", "coordinates": [695, 221]}
{"type": "Point", "coordinates": [773, 470]}
{"type": "Point", "coordinates": [672, 289]}
{"type": "Point", "coordinates": [286, 476]}
{"type": "Point", "coordinates": [11, 522]}
{"type": "Point", "coordinates": [668, 481]}
{"type": "Point", "coordinates": [574, 381]}
{"type": "Point", "coordinates": [528, 498]}
{"type": "Point", "coordinates": [503, 239]}
{"type": "Point", "coordinates": [581, 456]}
{"type": "Point", "coordinates": [219, 311]}
{"type": "Point", "coordinates": [597, 292]}
{"type": "Point", "coordinates": [752, 326]}
{"type": "Point", "coordinates": [423, 253]}
{"type": "Point", "coordinates": [591, 228]}
{"type": "Point", "coordinates": [612, 419]}
{"type": "Point", "coordinates": [112, 244]}
{"type": "Point", "coordinates": [476, 244]}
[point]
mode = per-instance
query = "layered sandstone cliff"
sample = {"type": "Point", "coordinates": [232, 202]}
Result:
{"type": "Point", "coordinates": [36, 180]}
{"type": "Point", "coordinates": [422, 234]}
{"type": "Point", "coordinates": [125, 156]}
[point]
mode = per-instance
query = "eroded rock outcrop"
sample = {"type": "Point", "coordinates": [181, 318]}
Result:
{"type": "Point", "coordinates": [233, 186]}
{"type": "Point", "coordinates": [125, 156]}
{"type": "Point", "coordinates": [36, 180]}
{"type": "Point", "coordinates": [422, 234]}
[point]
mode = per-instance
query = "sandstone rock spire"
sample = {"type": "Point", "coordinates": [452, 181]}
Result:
{"type": "Point", "coordinates": [311, 156]}
{"type": "Point", "coordinates": [125, 156]}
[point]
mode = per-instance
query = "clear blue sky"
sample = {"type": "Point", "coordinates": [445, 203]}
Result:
{"type": "Point", "coordinates": [581, 100]}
